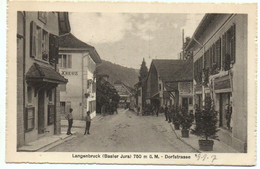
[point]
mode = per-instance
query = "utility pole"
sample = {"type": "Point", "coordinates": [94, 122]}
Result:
{"type": "Point", "coordinates": [182, 44]}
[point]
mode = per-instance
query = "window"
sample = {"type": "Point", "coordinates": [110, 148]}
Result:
{"type": "Point", "coordinates": [228, 48]}
{"type": "Point", "coordinates": [190, 100]}
{"type": "Point", "coordinates": [62, 107]}
{"type": "Point", "coordinates": [29, 119]}
{"type": "Point", "coordinates": [51, 114]}
{"type": "Point", "coordinates": [160, 87]}
{"type": "Point", "coordinates": [39, 42]}
{"type": "Point", "coordinates": [65, 61]}
{"type": "Point", "coordinates": [29, 94]}
{"type": "Point", "coordinates": [45, 45]}
{"type": "Point", "coordinates": [50, 96]}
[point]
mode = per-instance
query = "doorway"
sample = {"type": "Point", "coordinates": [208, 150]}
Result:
{"type": "Point", "coordinates": [41, 112]}
{"type": "Point", "coordinates": [185, 103]}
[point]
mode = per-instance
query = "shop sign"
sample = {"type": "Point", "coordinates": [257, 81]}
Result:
{"type": "Point", "coordinates": [68, 73]}
{"type": "Point", "coordinates": [222, 83]}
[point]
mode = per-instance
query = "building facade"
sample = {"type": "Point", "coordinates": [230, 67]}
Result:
{"type": "Point", "coordinates": [77, 63]}
{"type": "Point", "coordinates": [219, 46]}
{"type": "Point", "coordinates": [169, 82]}
{"type": "Point", "coordinates": [38, 113]}
{"type": "Point", "coordinates": [126, 95]}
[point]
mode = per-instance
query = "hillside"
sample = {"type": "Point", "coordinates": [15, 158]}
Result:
{"type": "Point", "coordinates": [128, 76]}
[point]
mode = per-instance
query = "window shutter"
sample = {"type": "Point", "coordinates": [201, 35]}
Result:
{"type": "Point", "coordinates": [233, 44]}
{"type": "Point", "coordinates": [53, 48]}
{"type": "Point", "coordinates": [218, 53]}
{"type": "Point", "coordinates": [223, 50]}
{"type": "Point", "coordinates": [69, 61]}
{"type": "Point", "coordinates": [33, 39]}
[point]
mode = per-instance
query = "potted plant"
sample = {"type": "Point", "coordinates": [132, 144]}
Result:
{"type": "Point", "coordinates": [186, 120]}
{"type": "Point", "coordinates": [176, 119]}
{"type": "Point", "coordinates": [206, 125]}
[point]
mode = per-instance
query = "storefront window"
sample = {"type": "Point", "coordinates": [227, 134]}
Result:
{"type": "Point", "coordinates": [225, 111]}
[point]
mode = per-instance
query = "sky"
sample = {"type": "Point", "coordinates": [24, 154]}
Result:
{"type": "Point", "coordinates": [127, 38]}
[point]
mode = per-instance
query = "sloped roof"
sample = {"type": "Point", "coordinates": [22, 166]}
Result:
{"type": "Point", "coordinates": [170, 70]}
{"type": "Point", "coordinates": [71, 42]}
{"type": "Point", "coordinates": [43, 73]}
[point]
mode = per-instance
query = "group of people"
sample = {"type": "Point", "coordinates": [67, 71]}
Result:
{"type": "Point", "coordinates": [69, 117]}
{"type": "Point", "coordinates": [169, 112]}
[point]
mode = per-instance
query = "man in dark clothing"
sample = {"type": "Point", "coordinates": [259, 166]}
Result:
{"type": "Point", "coordinates": [170, 116]}
{"type": "Point", "coordinates": [69, 117]}
{"type": "Point", "coordinates": [166, 113]}
{"type": "Point", "coordinates": [157, 110]}
{"type": "Point", "coordinates": [88, 122]}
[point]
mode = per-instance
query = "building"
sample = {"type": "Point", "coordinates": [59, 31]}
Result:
{"type": "Point", "coordinates": [77, 63]}
{"type": "Point", "coordinates": [140, 97]}
{"type": "Point", "coordinates": [170, 82]}
{"type": "Point", "coordinates": [219, 46]}
{"type": "Point", "coordinates": [126, 93]}
{"type": "Point", "coordinates": [38, 113]}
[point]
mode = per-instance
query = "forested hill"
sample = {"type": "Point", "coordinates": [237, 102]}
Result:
{"type": "Point", "coordinates": [128, 76]}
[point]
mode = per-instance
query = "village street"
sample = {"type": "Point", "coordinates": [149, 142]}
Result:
{"type": "Point", "coordinates": [124, 132]}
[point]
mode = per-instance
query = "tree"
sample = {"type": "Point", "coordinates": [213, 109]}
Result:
{"type": "Point", "coordinates": [143, 72]}
{"type": "Point", "coordinates": [206, 121]}
{"type": "Point", "coordinates": [106, 95]}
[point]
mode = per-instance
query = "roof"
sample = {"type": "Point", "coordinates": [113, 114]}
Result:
{"type": "Point", "coordinates": [170, 70]}
{"type": "Point", "coordinates": [123, 89]}
{"type": "Point", "coordinates": [69, 41]}
{"type": "Point", "coordinates": [203, 25]}
{"type": "Point", "coordinates": [43, 73]}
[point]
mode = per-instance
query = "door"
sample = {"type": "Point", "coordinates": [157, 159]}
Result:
{"type": "Point", "coordinates": [185, 103]}
{"type": "Point", "coordinates": [41, 112]}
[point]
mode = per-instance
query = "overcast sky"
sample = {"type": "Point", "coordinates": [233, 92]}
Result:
{"type": "Point", "coordinates": [127, 38]}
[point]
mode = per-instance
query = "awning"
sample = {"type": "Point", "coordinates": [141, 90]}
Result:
{"type": "Point", "coordinates": [41, 74]}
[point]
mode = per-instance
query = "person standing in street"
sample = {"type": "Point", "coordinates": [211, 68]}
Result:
{"type": "Point", "coordinates": [88, 122]}
{"type": "Point", "coordinates": [166, 112]}
{"type": "Point", "coordinates": [69, 117]}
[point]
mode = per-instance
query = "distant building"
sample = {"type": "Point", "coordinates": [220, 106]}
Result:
{"type": "Point", "coordinates": [219, 46]}
{"type": "Point", "coordinates": [38, 111]}
{"type": "Point", "coordinates": [170, 82]}
{"type": "Point", "coordinates": [140, 97]}
{"type": "Point", "coordinates": [77, 62]}
{"type": "Point", "coordinates": [126, 94]}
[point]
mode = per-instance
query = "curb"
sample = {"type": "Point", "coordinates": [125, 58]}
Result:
{"type": "Point", "coordinates": [56, 143]}
{"type": "Point", "coordinates": [184, 140]}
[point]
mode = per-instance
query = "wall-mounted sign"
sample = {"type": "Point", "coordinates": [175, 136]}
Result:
{"type": "Point", "coordinates": [69, 73]}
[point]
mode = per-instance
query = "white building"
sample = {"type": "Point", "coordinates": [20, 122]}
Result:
{"type": "Point", "coordinates": [77, 62]}
{"type": "Point", "coordinates": [219, 45]}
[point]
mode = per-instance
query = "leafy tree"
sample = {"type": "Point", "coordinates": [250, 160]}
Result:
{"type": "Point", "coordinates": [106, 95]}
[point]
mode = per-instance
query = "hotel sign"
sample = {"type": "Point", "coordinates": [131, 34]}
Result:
{"type": "Point", "coordinates": [68, 73]}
